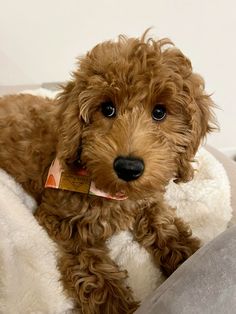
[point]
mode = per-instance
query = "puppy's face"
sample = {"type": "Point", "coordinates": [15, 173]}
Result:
{"type": "Point", "coordinates": [135, 113]}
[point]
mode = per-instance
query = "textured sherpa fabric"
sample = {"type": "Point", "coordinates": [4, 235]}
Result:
{"type": "Point", "coordinates": [29, 279]}
{"type": "Point", "coordinates": [204, 202]}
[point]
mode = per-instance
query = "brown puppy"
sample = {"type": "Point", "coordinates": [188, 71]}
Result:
{"type": "Point", "coordinates": [133, 115]}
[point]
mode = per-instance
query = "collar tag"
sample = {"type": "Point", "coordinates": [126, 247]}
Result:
{"type": "Point", "coordinates": [78, 181]}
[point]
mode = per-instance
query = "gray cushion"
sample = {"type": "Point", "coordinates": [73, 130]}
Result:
{"type": "Point", "coordinates": [204, 284]}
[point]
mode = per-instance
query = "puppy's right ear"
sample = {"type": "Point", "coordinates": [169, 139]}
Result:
{"type": "Point", "coordinates": [69, 124]}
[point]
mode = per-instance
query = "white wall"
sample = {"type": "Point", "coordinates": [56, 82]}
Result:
{"type": "Point", "coordinates": [39, 40]}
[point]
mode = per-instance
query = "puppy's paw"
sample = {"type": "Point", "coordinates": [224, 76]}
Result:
{"type": "Point", "coordinates": [178, 252]}
{"type": "Point", "coordinates": [109, 299]}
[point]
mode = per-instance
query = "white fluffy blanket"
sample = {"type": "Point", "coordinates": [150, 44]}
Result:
{"type": "Point", "coordinates": [29, 279]}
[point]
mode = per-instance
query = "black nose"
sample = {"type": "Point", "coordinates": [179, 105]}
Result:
{"type": "Point", "coordinates": [128, 168]}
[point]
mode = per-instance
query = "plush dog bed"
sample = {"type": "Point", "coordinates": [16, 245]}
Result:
{"type": "Point", "coordinates": [29, 279]}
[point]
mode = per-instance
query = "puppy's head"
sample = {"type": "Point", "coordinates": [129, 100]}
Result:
{"type": "Point", "coordinates": [134, 115]}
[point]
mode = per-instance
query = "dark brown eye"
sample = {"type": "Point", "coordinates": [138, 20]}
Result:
{"type": "Point", "coordinates": [108, 109]}
{"type": "Point", "coordinates": [159, 112]}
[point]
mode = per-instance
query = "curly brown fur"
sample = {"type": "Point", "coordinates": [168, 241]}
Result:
{"type": "Point", "coordinates": [135, 75]}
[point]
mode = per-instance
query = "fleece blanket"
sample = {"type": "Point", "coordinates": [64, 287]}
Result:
{"type": "Point", "coordinates": [29, 279]}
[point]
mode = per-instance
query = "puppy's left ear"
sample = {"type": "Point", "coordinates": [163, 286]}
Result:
{"type": "Point", "coordinates": [199, 110]}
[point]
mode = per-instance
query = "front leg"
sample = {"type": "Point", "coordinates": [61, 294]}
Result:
{"type": "Point", "coordinates": [96, 283]}
{"type": "Point", "coordinates": [89, 275]}
{"type": "Point", "coordinates": [166, 236]}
